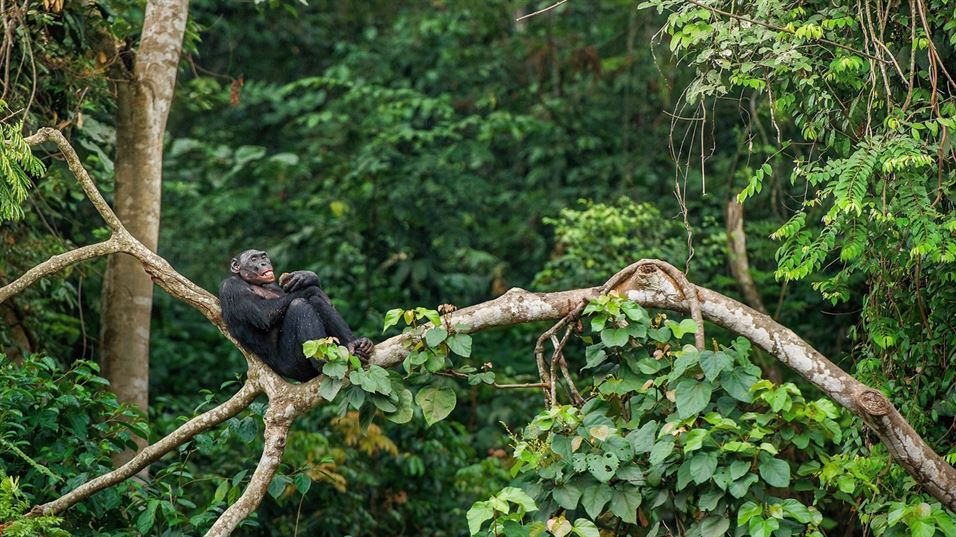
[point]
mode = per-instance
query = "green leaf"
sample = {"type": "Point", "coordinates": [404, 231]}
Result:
{"type": "Point", "coordinates": [310, 348]}
{"type": "Point", "coordinates": [602, 466]}
{"type": "Point", "coordinates": [302, 483]}
{"type": "Point", "coordinates": [739, 488]}
{"type": "Point", "coordinates": [642, 440]}
{"type": "Point", "coordinates": [585, 528]}
{"type": "Point", "coordinates": [405, 410]}
{"type": "Point", "coordinates": [921, 528]}
{"type": "Point", "coordinates": [636, 313]}
{"type": "Point", "coordinates": [692, 397]}
{"type": "Point", "coordinates": [737, 383]}
{"type": "Point", "coordinates": [460, 344]}
{"type": "Point", "coordinates": [714, 526]}
{"type": "Point", "coordinates": [615, 337]}
{"type": "Point", "coordinates": [686, 326]}
{"type": "Point", "coordinates": [739, 468]}
{"type": "Point", "coordinates": [661, 450]}
{"type": "Point", "coordinates": [374, 379]}
{"type": "Point", "coordinates": [687, 358]}
{"type": "Point", "coordinates": [519, 497]}
{"type": "Point", "coordinates": [329, 388]}
{"type": "Point", "coordinates": [391, 318]}
{"type": "Point", "coordinates": [594, 356]}
{"type": "Point", "coordinates": [477, 515]}
{"type": "Point", "coordinates": [774, 471]}
{"type": "Point", "coordinates": [435, 336]}
{"type": "Point", "coordinates": [714, 363]}
{"type": "Point", "coordinates": [436, 403]}
{"type": "Point", "coordinates": [335, 369]}
{"type": "Point", "coordinates": [702, 466]}
{"type": "Point", "coordinates": [747, 511]}
{"type": "Point", "coordinates": [624, 503]}
{"type": "Point", "coordinates": [277, 485]}
{"type": "Point", "coordinates": [694, 439]}
{"type": "Point", "coordinates": [566, 496]}
{"type": "Point", "coordinates": [146, 519]}
{"type": "Point", "coordinates": [594, 498]}
{"type": "Point", "coordinates": [797, 511]}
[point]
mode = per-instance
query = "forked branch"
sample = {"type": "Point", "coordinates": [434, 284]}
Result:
{"type": "Point", "coordinates": [651, 283]}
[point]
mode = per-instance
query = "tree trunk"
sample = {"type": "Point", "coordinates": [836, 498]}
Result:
{"type": "Point", "coordinates": [144, 96]}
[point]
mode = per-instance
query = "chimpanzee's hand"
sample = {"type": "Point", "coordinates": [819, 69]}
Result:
{"type": "Point", "coordinates": [297, 280]}
{"type": "Point", "coordinates": [361, 347]}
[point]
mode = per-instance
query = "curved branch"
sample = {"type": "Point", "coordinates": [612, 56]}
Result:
{"type": "Point", "coordinates": [152, 453]}
{"type": "Point", "coordinates": [57, 263]}
{"type": "Point", "coordinates": [737, 254]}
{"type": "Point", "coordinates": [902, 442]}
{"type": "Point", "coordinates": [278, 419]}
{"type": "Point", "coordinates": [47, 134]}
{"type": "Point", "coordinates": [650, 286]}
{"type": "Point", "coordinates": [649, 282]}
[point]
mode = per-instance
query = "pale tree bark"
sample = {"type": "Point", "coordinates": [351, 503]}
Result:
{"type": "Point", "coordinates": [144, 95]}
{"type": "Point", "coordinates": [737, 255]}
{"type": "Point", "coordinates": [650, 283]}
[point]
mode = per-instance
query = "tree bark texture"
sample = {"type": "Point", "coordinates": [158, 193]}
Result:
{"type": "Point", "coordinates": [144, 96]}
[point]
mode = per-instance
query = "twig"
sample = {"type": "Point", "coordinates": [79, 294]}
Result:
{"type": "Point", "coordinates": [540, 11]}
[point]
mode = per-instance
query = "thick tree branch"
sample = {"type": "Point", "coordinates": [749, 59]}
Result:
{"type": "Point", "coordinates": [278, 419]}
{"type": "Point", "coordinates": [649, 282]}
{"type": "Point", "coordinates": [651, 287]}
{"type": "Point", "coordinates": [205, 421]}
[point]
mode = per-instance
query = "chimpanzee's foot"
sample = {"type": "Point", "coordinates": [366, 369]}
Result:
{"type": "Point", "coordinates": [361, 347]}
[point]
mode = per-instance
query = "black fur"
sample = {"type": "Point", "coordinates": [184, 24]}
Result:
{"type": "Point", "coordinates": [274, 323]}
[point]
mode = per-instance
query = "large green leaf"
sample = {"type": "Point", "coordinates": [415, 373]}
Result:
{"type": "Point", "coordinates": [624, 503]}
{"type": "Point", "coordinates": [774, 471]}
{"type": "Point", "coordinates": [460, 344]}
{"type": "Point", "coordinates": [714, 363]}
{"type": "Point", "coordinates": [594, 498]}
{"type": "Point", "coordinates": [477, 515]}
{"type": "Point", "coordinates": [566, 496]}
{"type": "Point", "coordinates": [692, 397]}
{"type": "Point", "coordinates": [602, 465]}
{"type": "Point", "coordinates": [436, 403]}
{"type": "Point", "coordinates": [642, 440]}
{"type": "Point", "coordinates": [660, 451]}
{"type": "Point", "coordinates": [405, 411]}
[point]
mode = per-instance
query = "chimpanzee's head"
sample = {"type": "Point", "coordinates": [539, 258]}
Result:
{"type": "Point", "coordinates": [254, 267]}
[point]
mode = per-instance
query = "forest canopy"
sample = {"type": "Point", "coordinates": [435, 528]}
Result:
{"type": "Point", "coordinates": [647, 268]}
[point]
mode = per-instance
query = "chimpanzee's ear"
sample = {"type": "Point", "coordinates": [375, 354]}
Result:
{"type": "Point", "coordinates": [234, 265]}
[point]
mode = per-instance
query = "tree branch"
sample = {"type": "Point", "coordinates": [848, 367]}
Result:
{"type": "Point", "coordinates": [57, 263]}
{"type": "Point", "coordinates": [651, 283]}
{"type": "Point", "coordinates": [47, 134]}
{"type": "Point", "coordinates": [205, 421]}
{"type": "Point", "coordinates": [647, 285]}
{"type": "Point", "coordinates": [278, 419]}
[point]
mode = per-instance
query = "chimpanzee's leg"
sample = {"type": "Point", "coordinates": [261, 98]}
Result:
{"type": "Point", "coordinates": [301, 323]}
{"type": "Point", "coordinates": [333, 323]}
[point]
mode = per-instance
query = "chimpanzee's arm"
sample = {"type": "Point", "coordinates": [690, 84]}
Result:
{"type": "Point", "coordinates": [241, 304]}
{"type": "Point", "coordinates": [300, 279]}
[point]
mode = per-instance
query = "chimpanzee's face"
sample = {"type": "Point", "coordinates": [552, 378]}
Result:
{"type": "Point", "coordinates": [254, 267]}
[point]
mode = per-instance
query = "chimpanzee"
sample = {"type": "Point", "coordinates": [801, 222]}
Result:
{"type": "Point", "coordinates": [274, 321]}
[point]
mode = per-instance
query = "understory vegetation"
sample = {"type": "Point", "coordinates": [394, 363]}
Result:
{"type": "Point", "coordinates": [423, 157]}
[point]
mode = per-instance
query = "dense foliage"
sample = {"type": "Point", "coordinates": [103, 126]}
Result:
{"type": "Point", "coordinates": [440, 152]}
